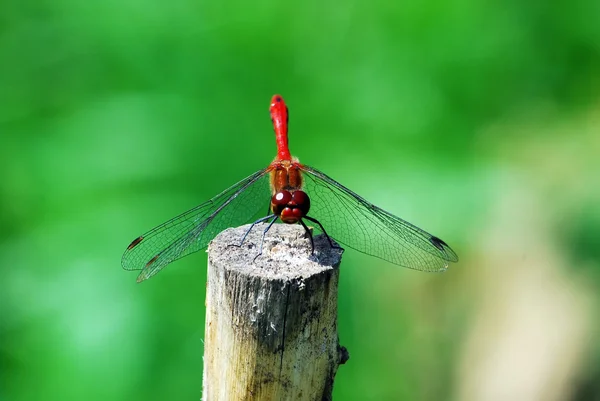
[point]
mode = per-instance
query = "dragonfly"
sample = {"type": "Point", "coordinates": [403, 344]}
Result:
{"type": "Point", "coordinates": [293, 193]}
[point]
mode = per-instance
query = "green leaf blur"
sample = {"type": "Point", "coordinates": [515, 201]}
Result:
{"type": "Point", "coordinates": [477, 121]}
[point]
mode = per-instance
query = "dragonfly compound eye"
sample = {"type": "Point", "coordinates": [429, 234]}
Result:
{"type": "Point", "coordinates": [301, 201]}
{"type": "Point", "coordinates": [280, 200]}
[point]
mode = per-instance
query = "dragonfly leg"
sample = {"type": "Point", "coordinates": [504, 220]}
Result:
{"type": "Point", "coordinates": [251, 227]}
{"type": "Point", "coordinates": [324, 232]}
{"type": "Point", "coordinates": [312, 242]}
{"type": "Point", "coordinates": [262, 240]}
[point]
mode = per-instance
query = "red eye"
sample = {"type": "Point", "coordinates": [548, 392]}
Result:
{"type": "Point", "coordinates": [301, 200]}
{"type": "Point", "coordinates": [279, 201]}
{"type": "Point", "coordinates": [281, 198]}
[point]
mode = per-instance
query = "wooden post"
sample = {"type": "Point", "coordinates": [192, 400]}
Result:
{"type": "Point", "coordinates": [271, 322]}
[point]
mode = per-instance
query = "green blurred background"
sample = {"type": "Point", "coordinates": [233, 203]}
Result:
{"type": "Point", "coordinates": [477, 121]}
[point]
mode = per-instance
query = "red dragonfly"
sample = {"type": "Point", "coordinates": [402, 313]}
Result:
{"type": "Point", "coordinates": [349, 218]}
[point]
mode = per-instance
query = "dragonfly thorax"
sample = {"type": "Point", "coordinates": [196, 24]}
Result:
{"type": "Point", "coordinates": [285, 175]}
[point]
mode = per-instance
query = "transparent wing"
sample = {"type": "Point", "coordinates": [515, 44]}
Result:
{"type": "Point", "coordinates": [359, 224]}
{"type": "Point", "coordinates": [194, 229]}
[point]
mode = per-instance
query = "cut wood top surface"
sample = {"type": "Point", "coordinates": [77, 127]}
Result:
{"type": "Point", "coordinates": [286, 251]}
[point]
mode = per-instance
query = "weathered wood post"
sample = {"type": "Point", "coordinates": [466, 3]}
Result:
{"type": "Point", "coordinates": [271, 322]}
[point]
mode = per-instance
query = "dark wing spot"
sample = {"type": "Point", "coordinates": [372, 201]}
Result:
{"type": "Point", "coordinates": [152, 260]}
{"type": "Point", "coordinates": [438, 243]}
{"type": "Point", "coordinates": [135, 242]}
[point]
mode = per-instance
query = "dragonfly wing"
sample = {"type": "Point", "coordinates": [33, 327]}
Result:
{"type": "Point", "coordinates": [194, 229]}
{"type": "Point", "coordinates": [359, 224]}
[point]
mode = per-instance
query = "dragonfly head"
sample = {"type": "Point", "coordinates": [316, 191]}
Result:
{"type": "Point", "coordinates": [290, 206]}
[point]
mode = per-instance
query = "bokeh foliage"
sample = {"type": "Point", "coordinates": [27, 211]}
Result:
{"type": "Point", "coordinates": [115, 116]}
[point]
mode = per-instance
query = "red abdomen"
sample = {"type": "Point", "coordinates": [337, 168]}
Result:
{"type": "Point", "coordinates": [279, 116]}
